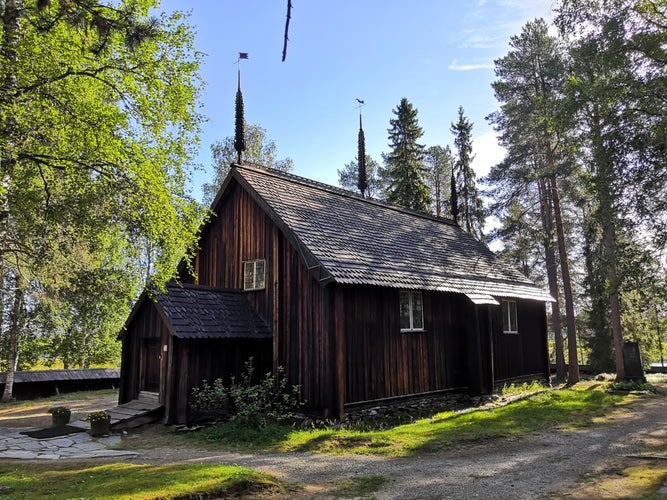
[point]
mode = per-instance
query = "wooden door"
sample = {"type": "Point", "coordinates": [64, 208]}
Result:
{"type": "Point", "coordinates": [151, 365]}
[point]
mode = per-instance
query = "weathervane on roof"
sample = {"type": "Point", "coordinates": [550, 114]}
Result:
{"type": "Point", "coordinates": [239, 129]}
{"type": "Point", "coordinates": [362, 178]}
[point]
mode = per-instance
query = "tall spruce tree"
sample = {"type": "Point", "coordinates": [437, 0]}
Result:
{"type": "Point", "coordinates": [470, 203]}
{"type": "Point", "coordinates": [405, 162]}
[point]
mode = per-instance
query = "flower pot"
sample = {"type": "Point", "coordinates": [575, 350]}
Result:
{"type": "Point", "coordinates": [99, 427]}
{"type": "Point", "coordinates": [60, 419]}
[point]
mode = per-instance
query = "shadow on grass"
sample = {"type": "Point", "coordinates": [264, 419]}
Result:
{"type": "Point", "coordinates": [237, 436]}
{"type": "Point", "coordinates": [567, 408]}
{"type": "Point", "coordinates": [554, 409]}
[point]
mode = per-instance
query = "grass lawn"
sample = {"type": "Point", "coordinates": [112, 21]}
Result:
{"type": "Point", "coordinates": [573, 407]}
{"type": "Point", "coordinates": [129, 481]}
{"type": "Point", "coordinates": [584, 404]}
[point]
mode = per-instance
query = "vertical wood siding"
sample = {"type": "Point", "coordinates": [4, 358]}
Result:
{"type": "Point", "coordinates": [293, 303]}
{"type": "Point", "coordinates": [211, 359]}
{"type": "Point", "coordinates": [146, 331]}
{"type": "Point", "coordinates": [381, 361]}
{"type": "Point", "coordinates": [522, 355]}
{"type": "Point", "coordinates": [341, 344]}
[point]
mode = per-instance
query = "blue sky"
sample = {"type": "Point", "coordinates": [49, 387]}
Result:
{"type": "Point", "coordinates": [437, 53]}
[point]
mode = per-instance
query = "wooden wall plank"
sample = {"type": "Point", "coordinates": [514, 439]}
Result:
{"type": "Point", "coordinates": [382, 361]}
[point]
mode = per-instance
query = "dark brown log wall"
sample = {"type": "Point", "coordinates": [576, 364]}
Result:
{"type": "Point", "coordinates": [523, 355]}
{"type": "Point", "coordinates": [146, 329]}
{"type": "Point", "coordinates": [196, 360]}
{"type": "Point", "coordinates": [343, 344]}
{"type": "Point", "coordinates": [294, 304]}
{"type": "Point", "coordinates": [381, 361]}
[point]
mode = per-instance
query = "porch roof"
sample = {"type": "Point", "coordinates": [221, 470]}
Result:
{"type": "Point", "coordinates": [199, 312]}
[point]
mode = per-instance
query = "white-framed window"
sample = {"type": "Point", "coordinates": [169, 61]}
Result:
{"type": "Point", "coordinates": [510, 323]}
{"type": "Point", "coordinates": [412, 311]}
{"type": "Point", "coordinates": [253, 274]}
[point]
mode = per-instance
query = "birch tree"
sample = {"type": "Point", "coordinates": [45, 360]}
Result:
{"type": "Point", "coordinates": [97, 122]}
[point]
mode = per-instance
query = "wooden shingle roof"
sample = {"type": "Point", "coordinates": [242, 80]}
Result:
{"type": "Point", "coordinates": [35, 376]}
{"type": "Point", "coordinates": [352, 240]}
{"type": "Point", "coordinates": [198, 312]}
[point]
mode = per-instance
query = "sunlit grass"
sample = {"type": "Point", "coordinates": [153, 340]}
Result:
{"type": "Point", "coordinates": [643, 480]}
{"type": "Point", "coordinates": [129, 481]}
{"type": "Point", "coordinates": [575, 407]}
{"type": "Point", "coordinates": [525, 388]}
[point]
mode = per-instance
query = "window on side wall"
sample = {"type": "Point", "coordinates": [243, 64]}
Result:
{"type": "Point", "coordinates": [253, 274]}
{"type": "Point", "coordinates": [510, 324]}
{"type": "Point", "coordinates": [412, 311]}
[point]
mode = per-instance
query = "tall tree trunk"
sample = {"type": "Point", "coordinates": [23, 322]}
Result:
{"type": "Point", "coordinates": [552, 275]}
{"type": "Point", "coordinates": [573, 362]}
{"type": "Point", "coordinates": [8, 89]}
{"type": "Point", "coordinates": [609, 240]}
{"type": "Point", "coordinates": [607, 219]}
{"type": "Point", "coordinates": [14, 338]}
{"type": "Point", "coordinates": [554, 196]}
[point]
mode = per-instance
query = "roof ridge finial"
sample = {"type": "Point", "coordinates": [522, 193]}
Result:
{"type": "Point", "coordinates": [362, 177]}
{"type": "Point", "coordinates": [239, 128]}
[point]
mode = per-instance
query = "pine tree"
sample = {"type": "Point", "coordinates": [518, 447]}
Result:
{"type": "Point", "coordinates": [616, 91]}
{"type": "Point", "coordinates": [469, 202]}
{"type": "Point", "coordinates": [532, 130]}
{"type": "Point", "coordinates": [439, 164]}
{"type": "Point", "coordinates": [405, 162]}
{"type": "Point", "coordinates": [375, 176]}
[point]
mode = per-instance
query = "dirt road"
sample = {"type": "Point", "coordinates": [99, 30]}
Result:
{"type": "Point", "coordinates": [560, 464]}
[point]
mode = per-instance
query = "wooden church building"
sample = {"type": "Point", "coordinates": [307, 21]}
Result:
{"type": "Point", "coordinates": [359, 300]}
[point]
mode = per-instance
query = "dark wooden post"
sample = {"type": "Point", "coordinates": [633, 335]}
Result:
{"type": "Point", "coordinates": [337, 311]}
{"type": "Point", "coordinates": [480, 352]}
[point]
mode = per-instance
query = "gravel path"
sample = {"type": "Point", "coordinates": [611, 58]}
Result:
{"type": "Point", "coordinates": [540, 465]}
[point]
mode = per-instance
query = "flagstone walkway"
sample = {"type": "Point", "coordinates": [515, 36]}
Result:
{"type": "Point", "coordinates": [17, 446]}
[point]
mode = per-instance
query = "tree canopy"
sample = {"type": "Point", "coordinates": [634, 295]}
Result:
{"type": "Point", "coordinates": [97, 124]}
{"type": "Point", "coordinates": [259, 149]}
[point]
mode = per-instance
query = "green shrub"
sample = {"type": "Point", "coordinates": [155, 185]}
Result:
{"type": "Point", "coordinates": [211, 401]}
{"type": "Point", "coordinates": [247, 403]}
{"type": "Point", "coordinates": [632, 385]}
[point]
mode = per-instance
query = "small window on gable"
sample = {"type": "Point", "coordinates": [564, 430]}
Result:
{"type": "Point", "coordinates": [412, 311]}
{"type": "Point", "coordinates": [510, 324]}
{"type": "Point", "coordinates": [253, 274]}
